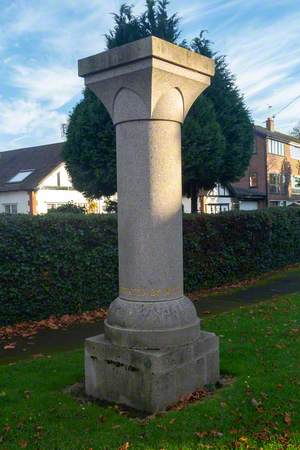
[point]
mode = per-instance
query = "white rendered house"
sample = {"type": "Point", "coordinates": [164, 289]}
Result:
{"type": "Point", "coordinates": [34, 180]}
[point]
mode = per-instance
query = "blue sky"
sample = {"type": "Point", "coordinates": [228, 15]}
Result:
{"type": "Point", "coordinates": [41, 41]}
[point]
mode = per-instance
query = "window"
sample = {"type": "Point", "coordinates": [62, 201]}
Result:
{"type": "Point", "coordinates": [217, 208]}
{"type": "Point", "coordinates": [214, 192]}
{"type": "Point", "coordinates": [274, 204]}
{"type": "Point", "coordinates": [296, 181]}
{"type": "Point", "coordinates": [253, 180]}
{"type": "Point", "coordinates": [295, 152]}
{"type": "Point", "coordinates": [296, 184]}
{"type": "Point", "coordinates": [55, 205]}
{"type": "Point", "coordinates": [274, 183]}
{"type": "Point", "coordinates": [58, 178]}
{"type": "Point", "coordinates": [221, 190]}
{"type": "Point", "coordinates": [10, 208]}
{"type": "Point", "coordinates": [20, 176]}
{"type": "Point", "coordinates": [277, 203]}
{"type": "Point", "coordinates": [218, 191]}
{"type": "Point", "coordinates": [275, 147]}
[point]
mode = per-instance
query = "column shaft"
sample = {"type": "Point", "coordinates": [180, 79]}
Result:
{"type": "Point", "coordinates": [149, 210]}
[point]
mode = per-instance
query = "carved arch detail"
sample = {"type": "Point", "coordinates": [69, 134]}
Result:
{"type": "Point", "coordinates": [170, 106]}
{"type": "Point", "coordinates": [128, 105]}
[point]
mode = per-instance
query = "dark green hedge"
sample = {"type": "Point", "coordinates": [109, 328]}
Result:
{"type": "Point", "coordinates": [57, 264]}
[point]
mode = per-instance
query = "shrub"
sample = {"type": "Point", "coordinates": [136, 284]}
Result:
{"type": "Point", "coordinates": [111, 206]}
{"type": "Point", "coordinates": [230, 247]}
{"type": "Point", "coordinates": [56, 264]}
{"type": "Point", "coordinates": [68, 208]}
{"type": "Point", "coordinates": [68, 263]}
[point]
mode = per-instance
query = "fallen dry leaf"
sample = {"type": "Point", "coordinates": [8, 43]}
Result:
{"type": "Point", "coordinates": [212, 433]}
{"type": "Point", "coordinates": [201, 434]}
{"type": "Point", "coordinates": [29, 329]}
{"type": "Point", "coordinates": [287, 419]}
{"type": "Point", "coordinates": [216, 433]}
{"type": "Point", "coordinates": [284, 439]}
{"type": "Point", "coordinates": [10, 346]}
{"type": "Point", "coordinates": [27, 395]}
{"type": "Point", "coordinates": [124, 446]}
{"type": "Point", "coordinates": [254, 402]}
{"type": "Point", "coordinates": [38, 355]}
{"type": "Point", "coordinates": [23, 444]}
{"type": "Point", "coordinates": [263, 435]}
{"type": "Point", "coordinates": [190, 398]}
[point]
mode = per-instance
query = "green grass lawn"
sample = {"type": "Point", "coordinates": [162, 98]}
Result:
{"type": "Point", "coordinates": [260, 347]}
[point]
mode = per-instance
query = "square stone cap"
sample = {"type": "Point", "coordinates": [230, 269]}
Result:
{"type": "Point", "coordinates": [150, 47]}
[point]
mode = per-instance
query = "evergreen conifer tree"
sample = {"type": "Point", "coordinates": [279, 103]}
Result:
{"type": "Point", "coordinates": [217, 134]}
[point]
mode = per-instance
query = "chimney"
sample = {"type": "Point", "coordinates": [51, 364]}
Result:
{"type": "Point", "coordinates": [270, 124]}
{"type": "Point", "coordinates": [64, 129]}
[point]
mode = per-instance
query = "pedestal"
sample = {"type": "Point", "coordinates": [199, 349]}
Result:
{"type": "Point", "coordinates": [149, 380]}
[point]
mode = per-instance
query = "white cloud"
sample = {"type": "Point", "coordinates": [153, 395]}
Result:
{"type": "Point", "coordinates": [29, 20]}
{"type": "Point", "coordinates": [261, 41]}
{"type": "Point", "coordinates": [264, 58]}
{"type": "Point", "coordinates": [44, 39]}
{"type": "Point", "coordinates": [54, 85]}
{"type": "Point", "coordinates": [23, 122]}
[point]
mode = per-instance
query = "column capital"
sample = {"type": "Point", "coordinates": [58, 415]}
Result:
{"type": "Point", "coordinates": [149, 79]}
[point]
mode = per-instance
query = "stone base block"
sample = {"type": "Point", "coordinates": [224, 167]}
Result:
{"type": "Point", "coordinates": [149, 380]}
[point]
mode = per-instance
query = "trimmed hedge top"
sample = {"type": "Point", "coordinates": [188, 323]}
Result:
{"type": "Point", "coordinates": [58, 264]}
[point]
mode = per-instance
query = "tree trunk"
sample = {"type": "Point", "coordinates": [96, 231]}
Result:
{"type": "Point", "coordinates": [194, 200]}
{"type": "Point", "coordinates": [202, 207]}
{"type": "Point", "coordinates": [202, 196]}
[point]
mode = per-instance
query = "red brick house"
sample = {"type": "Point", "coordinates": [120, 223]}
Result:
{"type": "Point", "coordinates": [272, 178]}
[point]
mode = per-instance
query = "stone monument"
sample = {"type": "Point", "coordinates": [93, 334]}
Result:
{"type": "Point", "coordinates": [152, 351]}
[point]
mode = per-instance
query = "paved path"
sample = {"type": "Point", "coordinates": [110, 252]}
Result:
{"type": "Point", "coordinates": [268, 287]}
{"type": "Point", "coordinates": [47, 342]}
